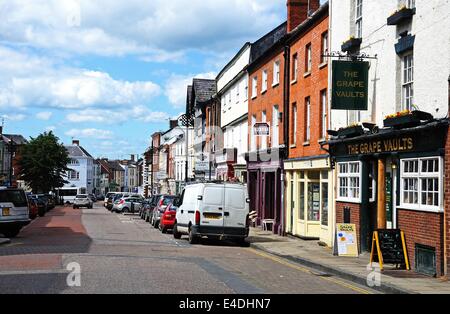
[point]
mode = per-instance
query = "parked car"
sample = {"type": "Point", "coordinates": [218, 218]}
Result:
{"type": "Point", "coordinates": [33, 208]}
{"type": "Point", "coordinates": [127, 205]}
{"type": "Point", "coordinates": [83, 200]}
{"type": "Point", "coordinates": [218, 211]}
{"type": "Point", "coordinates": [93, 198]}
{"type": "Point", "coordinates": [51, 204]}
{"type": "Point", "coordinates": [43, 199]}
{"type": "Point", "coordinates": [110, 202]}
{"type": "Point", "coordinates": [149, 209]}
{"type": "Point", "coordinates": [14, 211]}
{"type": "Point", "coordinates": [108, 195]}
{"type": "Point", "coordinates": [168, 217]}
{"type": "Point", "coordinates": [42, 207]}
{"type": "Point", "coordinates": [145, 204]}
{"type": "Point", "coordinates": [161, 206]}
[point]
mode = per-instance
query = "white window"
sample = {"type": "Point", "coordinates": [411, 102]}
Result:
{"type": "Point", "coordinates": [410, 4]}
{"type": "Point", "coordinates": [276, 73]}
{"type": "Point", "coordinates": [246, 90]}
{"type": "Point", "coordinates": [252, 132]}
{"type": "Point", "coordinates": [275, 123]}
{"type": "Point", "coordinates": [238, 87]}
{"type": "Point", "coordinates": [264, 138]}
{"type": "Point", "coordinates": [255, 87]}
{"type": "Point", "coordinates": [421, 184]}
{"type": "Point", "coordinates": [295, 67]}
{"type": "Point", "coordinates": [349, 181]}
{"type": "Point", "coordinates": [408, 82]}
{"type": "Point", "coordinates": [324, 48]}
{"type": "Point", "coordinates": [229, 101]}
{"type": "Point", "coordinates": [294, 122]}
{"type": "Point", "coordinates": [308, 61]}
{"type": "Point", "coordinates": [324, 114]}
{"type": "Point", "coordinates": [264, 81]}
{"type": "Point", "coordinates": [308, 119]}
{"type": "Point", "coordinates": [358, 18]}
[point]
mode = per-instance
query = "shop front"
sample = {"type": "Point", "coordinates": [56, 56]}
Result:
{"type": "Point", "coordinates": [265, 187]}
{"type": "Point", "coordinates": [308, 191]}
{"type": "Point", "coordinates": [393, 179]}
{"type": "Point", "coordinates": [225, 160]}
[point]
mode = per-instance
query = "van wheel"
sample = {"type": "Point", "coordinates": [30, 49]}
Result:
{"type": "Point", "coordinates": [11, 233]}
{"type": "Point", "coordinates": [176, 234]}
{"type": "Point", "coordinates": [242, 242]}
{"type": "Point", "coordinates": [192, 238]}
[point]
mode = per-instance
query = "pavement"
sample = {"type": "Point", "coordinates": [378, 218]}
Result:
{"type": "Point", "coordinates": [93, 251]}
{"type": "Point", "coordinates": [311, 254]}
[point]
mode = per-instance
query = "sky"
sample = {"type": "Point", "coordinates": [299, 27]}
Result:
{"type": "Point", "coordinates": [110, 73]}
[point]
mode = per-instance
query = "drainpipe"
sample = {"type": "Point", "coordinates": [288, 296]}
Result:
{"type": "Point", "coordinates": [286, 119]}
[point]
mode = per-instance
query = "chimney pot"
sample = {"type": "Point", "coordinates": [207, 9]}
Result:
{"type": "Point", "coordinates": [76, 142]}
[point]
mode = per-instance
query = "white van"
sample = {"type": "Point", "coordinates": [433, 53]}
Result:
{"type": "Point", "coordinates": [213, 210]}
{"type": "Point", "coordinates": [14, 212]}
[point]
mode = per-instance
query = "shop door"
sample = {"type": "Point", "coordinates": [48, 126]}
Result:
{"type": "Point", "coordinates": [269, 197]}
{"type": "Point", "coordinates": [369, 204]}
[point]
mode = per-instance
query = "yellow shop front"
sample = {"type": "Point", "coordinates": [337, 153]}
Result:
{"type": "Point", "coordinates": [309, 199]}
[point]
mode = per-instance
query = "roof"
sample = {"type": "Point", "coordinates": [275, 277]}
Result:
{"type": "Point", "coordinates": [77, 151]}
{"type": "Point", "coordinates": [17, 139]}
{"type": "Point", "coordinates": [265, 43]}
{"type": "Point", "coordinates": [115, 165]}
{"type": "Point", "coordinates": [203, 90]}
{"type": "Point", "coordinates": [233, 61]}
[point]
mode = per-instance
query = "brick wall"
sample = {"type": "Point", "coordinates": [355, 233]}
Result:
{"type": "Point", "coordinates": [297, 11]}
{"type": "Point", "coordinates": [447, 197]}
{"type": "Point", "coordinates": [422, 228]}
{"type": "Point", "coordinates": [355, 217]}
{"type": "Point", "coordinates": [311, 86]}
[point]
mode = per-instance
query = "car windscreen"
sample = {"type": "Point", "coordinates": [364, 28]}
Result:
{"type": "Point", "coordinates": [167, 200]}
{"type": "Point", "coordinates": [16, 197]}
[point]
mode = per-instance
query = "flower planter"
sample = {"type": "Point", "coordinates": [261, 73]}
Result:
{"type": "Point", "coordinates": [351, 45]}
{"type": "Point", "coordinates": [351, 131]}
{"type": "Point", "coordinates": [401, 16]}
{"type": "Point", "coordinates": [407, 121]}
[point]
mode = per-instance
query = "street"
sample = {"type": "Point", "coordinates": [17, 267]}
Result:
{"type": "Point", "coordinates": [123, 254]}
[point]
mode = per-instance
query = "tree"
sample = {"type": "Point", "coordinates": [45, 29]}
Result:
{"type": "Point", "coordinates": [44, 163]}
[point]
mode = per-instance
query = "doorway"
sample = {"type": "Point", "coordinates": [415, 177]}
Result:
{"type": "Point", "coordinates": [269, 195]}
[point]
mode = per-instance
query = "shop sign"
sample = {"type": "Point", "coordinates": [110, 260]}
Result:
{"type": "Point", "coordinates": [346, 240]}
{"type": "Point", "coordinates": [261, 129]}
{"type": "Point", "coordinates": [161, 176]}
{"type": "Point", "coordinates": [403, 144]}
{"type": "Point", "coordinates": [350, 85]}
{"type": "Point", "coordinates": [202, 166]}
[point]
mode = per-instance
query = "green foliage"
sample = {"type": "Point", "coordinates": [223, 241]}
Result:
{"type": "Point", "coordinates": [43, 163]}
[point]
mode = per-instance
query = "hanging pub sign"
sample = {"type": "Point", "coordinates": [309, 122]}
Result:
{"type": "Point", "coordinates": [350, 85]}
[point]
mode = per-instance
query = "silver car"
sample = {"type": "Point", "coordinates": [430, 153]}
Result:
{"type": "Point", "coordinates": [83, 200]}
{"type": "Point", "coordinates": [127, 205]}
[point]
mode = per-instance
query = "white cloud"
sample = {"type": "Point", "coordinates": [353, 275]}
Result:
{"type": "Point", "coordinates": [90, 133]}
{"type": "Point", "coordinates": [135, 113]}
{"type": "Point", "coordinates": [31, 80]}
{"type": "Point", "coordinates": [14, 117]}
{"type": "Point", "coordinates": [176, 87]}
{"type": "Point", "coordinates": [136, 26]}
{"type": "Point", "coordinates": [45, 115]}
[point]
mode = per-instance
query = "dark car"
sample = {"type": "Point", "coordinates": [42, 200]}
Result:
{"type": "Point", "coordinates": [50, 201]}
{"type": "Point", "coordinates": [145, 204]}
{"type": "Point", "coordinates": [149, 209]}
{"type": "Point", "coordinates": [162, 204]}
{"type": "Point", "coordinates": [43, 199]}
{"type": "Point", "coordinates": [111, 199]}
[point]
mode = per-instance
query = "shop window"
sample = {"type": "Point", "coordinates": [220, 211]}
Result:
{"type": "Point", "coordinates": [325, 204]}
{"type": "Point", "coordinates": [313, 201]}
{"type": "Point", "coordinates": [301, 189]}
{"type": "Point", "coordinates": [349, 179]}
{"type": "Point", "coordinates": [421, 181]}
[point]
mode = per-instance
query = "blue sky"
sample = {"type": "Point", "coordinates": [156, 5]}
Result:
{"type": "Point", "coordinates": [110, 73]}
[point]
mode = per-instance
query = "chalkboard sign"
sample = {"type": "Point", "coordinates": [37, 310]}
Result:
{"type": "Point", "coordinates": [389, 247]}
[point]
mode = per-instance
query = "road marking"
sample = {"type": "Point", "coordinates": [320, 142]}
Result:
{"type": "Point", "coordinates": [308, 271]}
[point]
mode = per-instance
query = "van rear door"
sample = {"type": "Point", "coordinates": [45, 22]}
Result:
{"type": "Point", "coordinates": [212, 206]}
{"type": "Point", "coordinates": [13, 205]}
{"type": "Point", "coordinates": [236, 209]}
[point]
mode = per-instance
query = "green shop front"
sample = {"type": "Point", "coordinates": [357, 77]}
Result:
{"type": "Point", "coordinates": [392, 178]}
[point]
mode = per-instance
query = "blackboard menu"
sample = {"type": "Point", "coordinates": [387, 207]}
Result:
{"type": "Point", "coordinates": [391, 247]}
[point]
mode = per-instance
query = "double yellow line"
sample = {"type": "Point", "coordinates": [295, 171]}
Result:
{"type": "Point", "coordinates": [308, 271]}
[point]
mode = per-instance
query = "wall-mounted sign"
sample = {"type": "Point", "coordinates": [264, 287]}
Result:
{"type": "Point", "coordinates": [401, 144]}
{"type": "Point", "coordinates": [202, 166]}
{"type": "Point", "coordinates": [350, 85]}
{"type": "Point", "coordinates": [261, 129]}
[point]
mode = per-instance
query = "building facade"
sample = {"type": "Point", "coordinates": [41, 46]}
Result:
{"type": "Point", "coordinates": [232, 85]}
{"type": "Point", "coordinates": [81, 173]}
{"type": "Point", "coordinates": [390, 174]}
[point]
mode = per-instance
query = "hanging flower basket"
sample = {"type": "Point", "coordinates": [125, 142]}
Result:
{"type": "Point", "coordinates": [351, 45]}
{"type": "Point", "coordinates": [406, 119]}
{"type": "Point", "coordinates": [401, 15]}
{"type": "Point", "coordinates": [351, 131]}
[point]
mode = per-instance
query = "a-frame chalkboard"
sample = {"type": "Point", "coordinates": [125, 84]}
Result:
{"type": "Point", "coordinates": [389, 247]}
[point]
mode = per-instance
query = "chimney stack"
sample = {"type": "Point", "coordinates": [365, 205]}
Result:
{"type": "Point", "coordinates": [299, 11]}
{"type": "Point", "coordinates": [173, 124]}
{"type": "Point", "coordinates": [75, 142]}
{"type": "Point", "coordinates": [133, 158]}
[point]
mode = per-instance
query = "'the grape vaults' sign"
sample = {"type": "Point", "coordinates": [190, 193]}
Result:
{"type": "Point", "coordinates": [350, 85]}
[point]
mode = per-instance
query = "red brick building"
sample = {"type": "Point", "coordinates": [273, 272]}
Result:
{"type": "Point", "coordinates": [308, 171]}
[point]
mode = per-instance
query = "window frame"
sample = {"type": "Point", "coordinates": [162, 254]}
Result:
{"type": "Point", "coordinates": [276, 73]}
{"type": "Point", "coordinates": [420, 176]}
{"type": "Point", "coordinates": [254, 87]}
{"type": "Point", "coordinates": [358, 18]}
{"type": "Point", "coordinates": [324, 48]}
{"type": "Point", "coordinates": [408, 81]}
{"type": "Point", "coordinates": [294, 73]}
{"type": "Point", "coordinates": [294, 124]}
{"type": "Point", "coordinates": [349, 175]}
{"type": "Point", "coordinates": [308, 58]}
{"type": "Point", "coordinates": [307, 135]}
{"type": "Point", "coordinates": [323, 113]}
{"type": "Point", "coordinates": [265, 81]}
